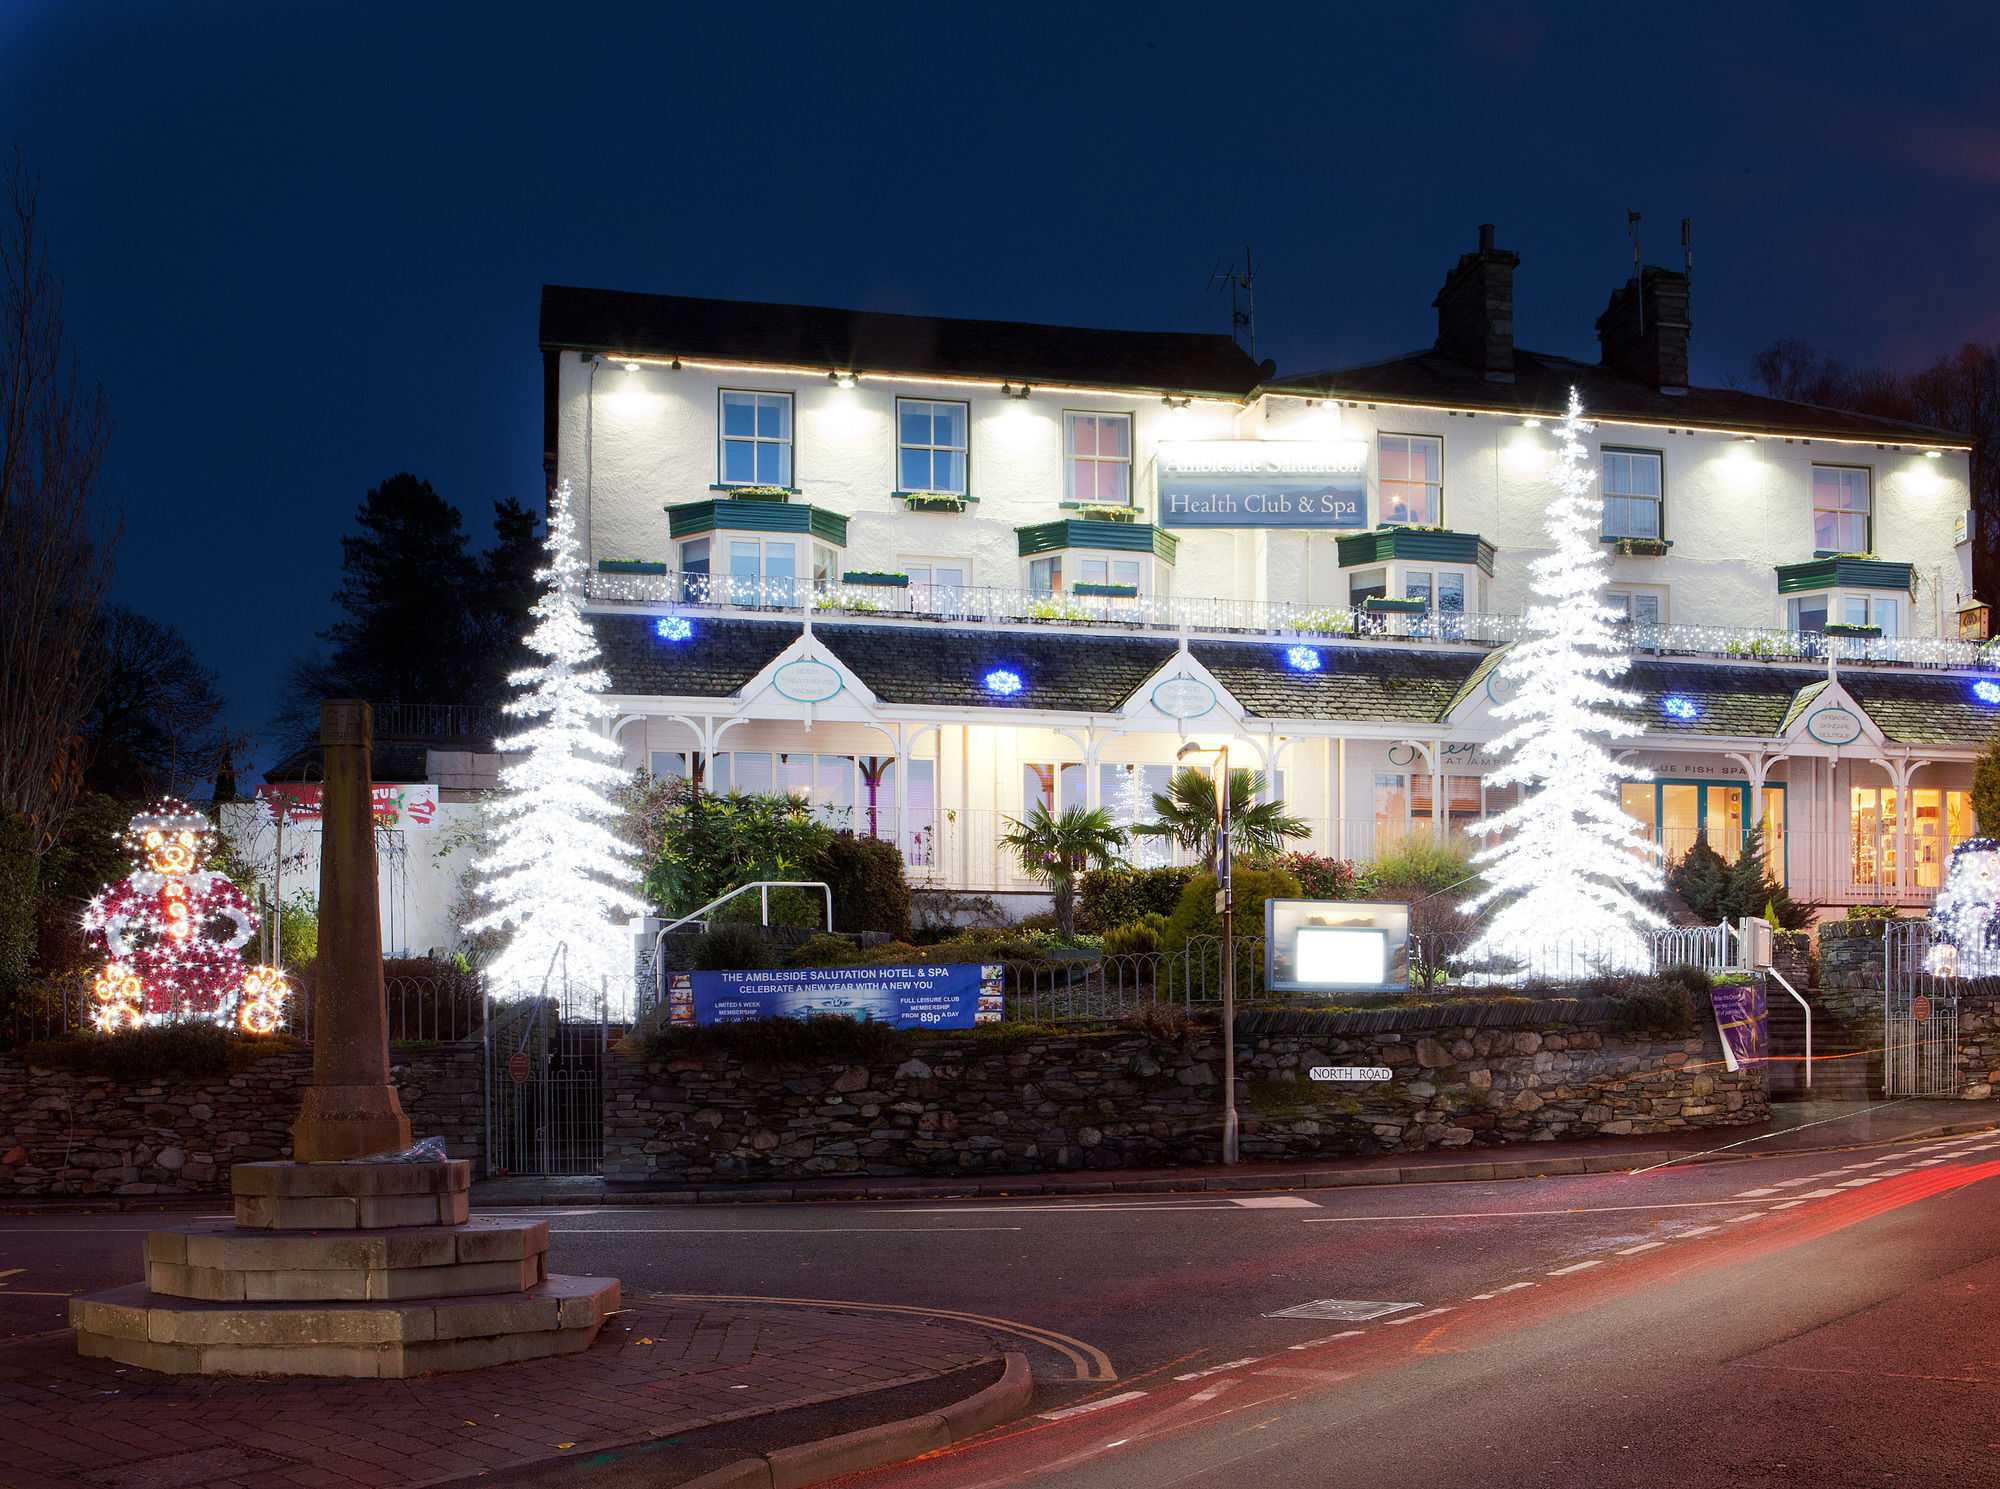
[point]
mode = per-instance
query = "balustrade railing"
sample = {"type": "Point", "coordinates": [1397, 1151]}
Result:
{"type": "Point", "coordinates": [833, 600]}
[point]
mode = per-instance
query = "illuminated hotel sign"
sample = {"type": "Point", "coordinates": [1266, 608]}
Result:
{"type": "Point", "coordinates": [1263, 483]}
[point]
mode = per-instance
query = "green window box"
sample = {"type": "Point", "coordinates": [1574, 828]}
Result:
{"type": "Point", "coordinates": [1380, 605]}
{"type": "Point", "coordinates": [1835, 628]}
{"type": "Point", "coordinates": [1640, 547]}
{"type": "Point", "coordinates": [880, 579]}
{"type": "Point", "coordinates": [1107, 591]}
{"type": "Point", "coordinates": [629, 566]}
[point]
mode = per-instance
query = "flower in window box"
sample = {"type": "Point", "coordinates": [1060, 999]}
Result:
{"type": "Point", "coordinates": [1105, 514]}
{"type": "Point", "coordinates": [1835, 628]}
{"type": "Point", "coordinates": [932, 501]}
{"type": "Point", "coordinates": [759, 494]}
{"type": "Point", "coordinates": [1643, 547]}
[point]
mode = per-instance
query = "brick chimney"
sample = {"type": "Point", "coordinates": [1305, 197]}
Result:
{"type": "Point", "coordinates": [1644, 331]}
{"type": "Point", "coordinates": [1476, 310]}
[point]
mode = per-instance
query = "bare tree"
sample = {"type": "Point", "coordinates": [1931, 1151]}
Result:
{"type": "Point", "coordinates": [57, 545]}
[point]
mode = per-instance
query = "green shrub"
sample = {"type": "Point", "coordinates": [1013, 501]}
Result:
{"type": "Point", "coordinates": [1195, 917]}
{"type": "Point", "coordinates": [1138, 938]}
{"type": "Point", "coordinates": [1874, 912]}
{"type": "Point", "coordinates": [870, 892]}
{"type": "Point", "coordinates": [1694, 979]}
{"type": "Point", "coordinates": [1701, 879]}
{"type": "Point", "coordinates": [1115, 897]}
{"type": "Point", "coordinates": [732, 948]}
{"type": "Point", "coordinates": [1322, 878]}
{"type": "Point", "coordinates": [826, 951]}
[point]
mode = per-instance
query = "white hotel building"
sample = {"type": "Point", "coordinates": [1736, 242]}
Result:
{"type": "Point", "coordinates": [927, 572]}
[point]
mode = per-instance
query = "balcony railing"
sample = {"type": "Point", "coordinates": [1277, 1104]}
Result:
{"type": "Point", "coordinates": [834, 601]}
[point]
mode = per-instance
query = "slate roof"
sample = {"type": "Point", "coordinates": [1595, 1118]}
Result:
{"type": "Point", "coordinates": [1077, 674]}
{"type": "Point", "coordinates": [1541, 388]}
{"type": "Point", "coordinates": [1732, 701]}
{"type": "Point", "coordinates": [715, 662]}
{"type": "Point", "coordinates": [1923, 708]}
{"type": "Point", "coordinates": [870, 341]}
{"type": "Point", "coordinates": [1353, 682]}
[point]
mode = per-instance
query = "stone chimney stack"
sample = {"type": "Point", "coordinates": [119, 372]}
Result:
{"type": "Point", "coordinates": [1476, 310]}
{"type": "Point", "coordinates": [1644, 331]}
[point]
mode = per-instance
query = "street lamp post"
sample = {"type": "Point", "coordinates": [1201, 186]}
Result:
{"type": "Point", "coordinates": [1226, 908]}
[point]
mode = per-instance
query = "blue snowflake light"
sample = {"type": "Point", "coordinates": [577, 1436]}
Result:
{"type": "Point", "coordinates": [1986, 692]}
{"type": "Point", "coordinates": [1678, 707]}
{"type": "Point", "coordinates": [1003, 682]}
{"type": "Point", "coordinates": [674, 628]}
{"type": "Point", "coordinates": [1302, 658]}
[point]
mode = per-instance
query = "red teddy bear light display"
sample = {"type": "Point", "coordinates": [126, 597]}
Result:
{"type": "Point", "coordinates": [171, 930]}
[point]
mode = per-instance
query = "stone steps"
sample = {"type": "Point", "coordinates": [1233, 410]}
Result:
{"type": "Point", "coordinates": [181, 1336]}
{"type": "Point", "coordinates": [261, 1266]}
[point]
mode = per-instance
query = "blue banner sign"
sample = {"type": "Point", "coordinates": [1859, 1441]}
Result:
{"type": "Point", "coordinates": [955, 997]}
{"type": "Point", "coordinates": [1741, 1019]}
{"type": "Point", "coordinates": [1263, 483]}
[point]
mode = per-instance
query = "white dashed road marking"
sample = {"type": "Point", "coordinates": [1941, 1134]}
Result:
{"type": "Point", "coordinates": [1218, 1369]}
{"type": "Point", "coordinates": [1090, 1406]}
{"type": "Point", "coordinates": [1575, 1267]}
{"type": "Point", "coordinates": [1276, 1202]}
{"type": "Point", "coordinates": [1427, 1313]}
{"type": "Point", "coordinates": [1642, 1246]}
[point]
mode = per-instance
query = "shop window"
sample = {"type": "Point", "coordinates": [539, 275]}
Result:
{"type": "Point", "coordinates": [1939, 821]}
{"type": "Point", "coordinates": [1098, 457]}
{"type": "Point", "coordinates": [931, 446]}
{"type": "Point", "coordinates": [1841, 509]}
{"type": "Point", "coordinates": [756, 439]}
{"type": "Point", "coordinates": [1410, 479]}
{"type": "Point", "coordinates": [1631, 494]}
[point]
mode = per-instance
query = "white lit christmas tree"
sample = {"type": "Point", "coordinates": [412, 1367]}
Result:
{"type": "Point", "coordinates": [1569, 858]}
{"type": "Point", "coordinates": [557, 875]}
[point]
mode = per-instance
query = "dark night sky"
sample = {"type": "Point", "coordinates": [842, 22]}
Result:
{"type": "Point", "coordinates": [303, 242]}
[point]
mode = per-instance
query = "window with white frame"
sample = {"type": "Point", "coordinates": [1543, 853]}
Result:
{"type": "Point", "coordinates": [1410, 479]}
{"type": "Point", "coordinates": [1640, 606]}
{"type": "Point", "coordinates": [931, 446]}
{"type": "Point", "coordinates": [1841, 509]}
{"type": "Point", "coordinates": [1045, 575]}
{"type": "Point", "coordinates": [1815, 612]}
{"type": "Point", "coordinates": [1054, 787]}
{"type": "Point", "coordinates": [1108, 571]}
{"type": "Point", "coordinates": [936, 581]}
{"type": "Point", "coordinates": [1097, 452]}
{"type": "Point", "coordinates": [756, 438]}
{"type": "Point", "coordinates": [1632, 494]}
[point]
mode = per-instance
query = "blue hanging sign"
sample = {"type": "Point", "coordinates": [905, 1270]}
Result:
{"type": "Point", "coordinates": [952, 997]}
{"type": "Point", "coordinates": [1263, 483]}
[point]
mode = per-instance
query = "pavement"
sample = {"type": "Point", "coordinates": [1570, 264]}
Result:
{"type": "Point", "coordinates": [660, 1370]}
{"type": "Point", "coordinates": [1795, 1127]}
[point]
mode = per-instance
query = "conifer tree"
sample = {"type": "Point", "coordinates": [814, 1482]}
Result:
{"type": "Point", "coordinates": [556, 874]}
{"type": "Point", "coordinates": [1568, 861]}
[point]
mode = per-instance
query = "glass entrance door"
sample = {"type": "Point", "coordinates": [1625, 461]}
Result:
{"type": "Point", "coordinates": [1675, 813]}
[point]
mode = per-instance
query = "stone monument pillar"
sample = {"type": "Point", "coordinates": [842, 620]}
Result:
{"type": "Point", "coordinates": [351, 1110]}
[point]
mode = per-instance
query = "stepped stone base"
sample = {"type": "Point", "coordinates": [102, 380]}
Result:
{"type": "Point", "coordinates": [261, 1266]}
{"type": "Point", "coordinates": [345, 1269]}
{"type": "Point", "coordinates": [181, 1336]}
{"type": "Point", "coordinates": [350, 1196]}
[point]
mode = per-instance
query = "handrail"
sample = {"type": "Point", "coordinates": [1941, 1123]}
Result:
{"type": "Point", "coordinates": [765, 885]}
{"type": "Point", "coordinates": [1774, 972]}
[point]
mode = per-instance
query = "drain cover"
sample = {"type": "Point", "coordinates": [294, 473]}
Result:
{"type": "Point", "coordinates": [1352, 1310]}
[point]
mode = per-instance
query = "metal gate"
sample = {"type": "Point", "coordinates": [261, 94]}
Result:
{"type": "Point", "coordinates": [544, 1088]}
{"type": "Point", "coordinates": [1920, 1016]}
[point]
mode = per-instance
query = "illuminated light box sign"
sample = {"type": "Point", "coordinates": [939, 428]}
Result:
{"type": "Point", "coordinates": [1263, 483]}
{"type": "Point", "coordinates": [401, 808]}
{"type": "Point", "coordinates": [1336, 946]}
{"type": "Point", "coordinates": [950, 997]}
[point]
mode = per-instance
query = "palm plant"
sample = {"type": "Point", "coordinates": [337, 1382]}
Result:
{"type": "Point", "coordinates": [1185, 813]}
{"type": "Point", "coordinates": [1056, 849]}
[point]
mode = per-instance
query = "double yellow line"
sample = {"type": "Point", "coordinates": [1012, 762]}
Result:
{"type": "Point", "coordinates": [1090, 1362]}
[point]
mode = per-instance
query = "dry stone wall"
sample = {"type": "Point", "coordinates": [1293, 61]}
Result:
{"type": "Point", "coordinates": [1472, 1075]}
{"type": "Point", "coordinates": [65, 1133]}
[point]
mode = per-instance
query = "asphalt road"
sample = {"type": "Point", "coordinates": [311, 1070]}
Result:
{"type": "Point", "coordinates": [1817, 1319]}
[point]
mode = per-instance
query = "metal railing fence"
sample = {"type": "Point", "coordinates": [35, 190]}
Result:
{"type": "Point", "coordinates": [836, 600]}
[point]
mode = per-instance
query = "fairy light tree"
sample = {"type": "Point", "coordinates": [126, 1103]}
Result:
{"type": "Point", "coordinates": [555, 874]}
{"type": "Point", "coordinates": [1568, 860]}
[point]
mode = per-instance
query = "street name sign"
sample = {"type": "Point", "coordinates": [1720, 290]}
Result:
{"type": "Point", "coordinates": [1352, 1073]}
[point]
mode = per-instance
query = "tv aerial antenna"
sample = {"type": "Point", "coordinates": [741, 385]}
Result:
{"type": "Point", "coordinates": [1242, 297]}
